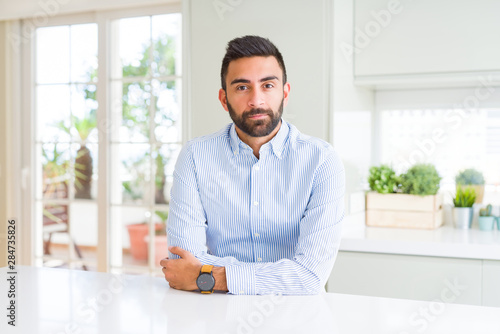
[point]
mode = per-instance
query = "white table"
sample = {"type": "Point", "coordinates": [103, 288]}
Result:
{"type": "Point", "coordinates": [65, 301]}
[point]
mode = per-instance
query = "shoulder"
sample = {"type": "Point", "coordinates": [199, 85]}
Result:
{"type": "Point", "coordinates": [202, 146]}
{"type": "Point", "coordinates": [309, 145]}
{"type": "Point", "coordinates": [318, 153]}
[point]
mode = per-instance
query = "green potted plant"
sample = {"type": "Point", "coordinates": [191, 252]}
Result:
{"type": "Point", "coordinates": [473, 178]}
{"type": "Point", "coordinates": [383, 179]}
{"type": "Point", "coordinates": [409, 200]}
{"type": "Point", "coordinates": [486, 219]}
{"type": "Point", "coordinates": [421, 180]}
{"type": "Point", "coordinates": [463, 202]}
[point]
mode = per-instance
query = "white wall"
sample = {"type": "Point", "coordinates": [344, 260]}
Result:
{"type": "Point", "coordinates": [300, 29]}
{"type": "Point", "coordinates": [353, 109]}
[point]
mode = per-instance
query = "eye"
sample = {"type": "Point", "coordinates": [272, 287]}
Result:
{"type": "Point", "coordinates": [268, 85]}
{"type": "Point", "coordinates": [241, 88]}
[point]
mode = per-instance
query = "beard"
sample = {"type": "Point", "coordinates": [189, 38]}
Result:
{"type": "Point", "coordinates": [260, 127]}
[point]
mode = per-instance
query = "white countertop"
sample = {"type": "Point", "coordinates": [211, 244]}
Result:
{"type": "Point", "coordinates": [445, 241]}
{"type": "Point", "coordinates": [65, 301]}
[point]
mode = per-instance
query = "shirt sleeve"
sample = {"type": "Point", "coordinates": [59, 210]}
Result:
{"type": "Point", "coordinates": [316, 249]}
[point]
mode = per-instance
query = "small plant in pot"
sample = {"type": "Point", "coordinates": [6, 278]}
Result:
{"type": "Point", "coordinates": [486, 219]}
{"type": "Point", "coordinates": [408, 201]}
{"type": "Point", "coordinates": [421, 179]}
{"type": "Point", "coordinates": [463, 202]}
{"type": "Point", "coordinates": [473, 178]}
{"type": "Point", "coordinates": [383, 179]}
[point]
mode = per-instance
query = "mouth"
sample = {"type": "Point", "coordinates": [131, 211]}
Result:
{"type": "Point", "coordinates": [258, 116]}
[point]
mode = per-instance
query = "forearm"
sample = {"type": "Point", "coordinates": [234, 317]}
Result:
{"type": "Point", "coordinates": [287, 277]}
{"type": "Point", "coordinates": [306, 273]}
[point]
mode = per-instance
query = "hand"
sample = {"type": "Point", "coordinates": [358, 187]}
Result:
{"type": "Point", "coordinates": [181, 273]}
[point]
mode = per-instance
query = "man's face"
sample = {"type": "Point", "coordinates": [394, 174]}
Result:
{"type": "Point", "coordinates": [255, 94]}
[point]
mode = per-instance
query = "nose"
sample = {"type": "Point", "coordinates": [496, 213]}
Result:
{"type": "Point", "coordinates": [256, 99]}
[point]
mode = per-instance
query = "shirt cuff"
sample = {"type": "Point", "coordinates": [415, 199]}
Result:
{"type": "Point", "coordinates": [240, 279]}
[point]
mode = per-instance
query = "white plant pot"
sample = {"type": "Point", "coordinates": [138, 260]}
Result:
{"type": "Point", "coordinates": [462, 218]}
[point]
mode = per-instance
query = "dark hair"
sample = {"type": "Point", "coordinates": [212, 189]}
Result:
{"type": "Point", "coordinates": [250, 46]}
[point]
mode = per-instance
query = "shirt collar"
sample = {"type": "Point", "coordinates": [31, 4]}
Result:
{"type": "Point", "coordinates": [234, 139]}
{"type": "Point", "coordinates": [277, 142]}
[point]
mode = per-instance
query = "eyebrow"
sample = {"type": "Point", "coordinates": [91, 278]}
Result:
{"type": "Point", "coordinates": [271, 77]}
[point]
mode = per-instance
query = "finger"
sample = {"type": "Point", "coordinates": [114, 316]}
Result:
{"type": "Point", "coordinates": [179, 251]}
{"type": "Point", "coordinates": [163, 262]}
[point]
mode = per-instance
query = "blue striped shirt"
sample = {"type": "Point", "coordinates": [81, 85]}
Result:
{"type": "Point", "coordinates": [274, 223]}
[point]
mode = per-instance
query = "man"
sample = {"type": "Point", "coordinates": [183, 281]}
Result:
{"type": "Point", "coordinates": [255, 208]}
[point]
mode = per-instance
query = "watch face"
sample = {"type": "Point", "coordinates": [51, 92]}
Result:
{"type": "Point", "coordinates": [205, 282]}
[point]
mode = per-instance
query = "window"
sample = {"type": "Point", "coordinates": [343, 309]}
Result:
{"type": "Point", "coordinates": [451, 139]}
{"type": "Point", "coordinates": [66, 140]}
{"type": "Point", "coordinates": [141, 137]}
{"type": "Point", "coordinates": [146, 83]}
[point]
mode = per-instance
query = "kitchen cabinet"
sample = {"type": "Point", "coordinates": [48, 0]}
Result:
{"type": "Point", "coordinates": [491, 283]}
{"type": "Point", "coordinates": [446, 280]}
{"type": "Point", "coordinates": [418, 264]}
{"type": "Point", "coordinates": [425, 39]}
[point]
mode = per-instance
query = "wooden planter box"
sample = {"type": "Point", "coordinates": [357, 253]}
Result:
{"type": "Point", "coordinates": [403, 210]}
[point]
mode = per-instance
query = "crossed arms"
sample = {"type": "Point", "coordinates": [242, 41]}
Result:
{"type": "Point", "coordinates": [305, 273]}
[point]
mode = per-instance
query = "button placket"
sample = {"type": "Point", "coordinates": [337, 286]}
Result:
{"type": "Point", "coordinates": [255, 210]}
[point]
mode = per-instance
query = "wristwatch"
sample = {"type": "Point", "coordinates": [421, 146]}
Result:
{"type": "Point", "coordinates": [206, 280]}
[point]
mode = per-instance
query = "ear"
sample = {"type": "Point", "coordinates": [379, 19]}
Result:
{"type": "Point", "coordinates": [286, 91]}
{"type": "Point", "coordinates": [223, 99]}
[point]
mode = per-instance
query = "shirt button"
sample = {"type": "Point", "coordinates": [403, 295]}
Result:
{"type": "Point", "coordinates": [255, 203]}
{"type": "Point", "coordinates": [257, 168]}
{"type": "Point", "coordinates": [257, 235]}
{"type": "Point", "coordinates": [259, 259]}
{"type": "Point", "coordinates": [242, 292]}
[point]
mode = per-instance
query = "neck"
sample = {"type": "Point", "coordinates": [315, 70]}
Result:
{"type": "Point", "coordinates": [256, 142]}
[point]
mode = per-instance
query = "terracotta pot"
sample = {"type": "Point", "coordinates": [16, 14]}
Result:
{"type": "Point", "coordinates": [138, 245]}
{"type": "Point", "coordinates": [161, 248]}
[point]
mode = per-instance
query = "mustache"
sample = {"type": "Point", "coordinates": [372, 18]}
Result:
{"type": "Point", "coordinates": [257, 111]}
